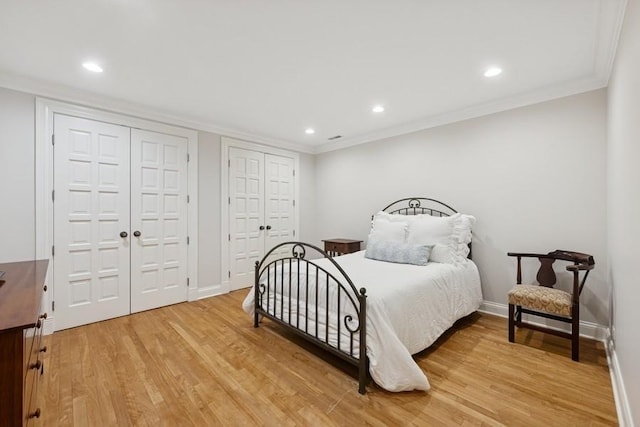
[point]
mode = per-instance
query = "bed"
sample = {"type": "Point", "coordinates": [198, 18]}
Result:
{"type": "Point", "coordinates": [371, 312]}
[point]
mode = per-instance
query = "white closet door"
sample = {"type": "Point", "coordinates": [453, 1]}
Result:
{"type": "Point", "coordinates": [279, 209]}
{"type": "Point", "coordinates": [158, 220]}
{"type": "Point", "coordinates": [91, 210]}
{"type": "Point", "coordinates": [246, 215]}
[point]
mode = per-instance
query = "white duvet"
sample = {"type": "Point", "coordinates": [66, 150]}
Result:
{"type": "Point", "coordinates": [408, 308]}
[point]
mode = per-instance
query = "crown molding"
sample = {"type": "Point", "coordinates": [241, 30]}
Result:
{"type": "Point", "coordinates": [92, 100]}
{"type": "Point", "coordinates": [521, 100]}
{"type": "Point", "coordinates": [609, 38]}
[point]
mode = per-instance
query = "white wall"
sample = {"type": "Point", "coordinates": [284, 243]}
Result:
{"type": "Point", "coordinates": [534, 177]}
{"type": "Point", "coordinates": [624, 204]}
{"type": "Point", "coordinates": [209, 267]}
{"type": "Point", "coordinates": [308, 223]}
{"type": "Point", "coordinates": [17, 176]}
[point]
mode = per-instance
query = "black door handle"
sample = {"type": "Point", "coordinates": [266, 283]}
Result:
{"type": "Point", "coordinates": [261, 227]}
{"type": "Point", "coordinates": [136, 233]}
{"type": "Point", "coordinates": [268, 227]}
{"type": "Point", "coordinates": [123, 234]}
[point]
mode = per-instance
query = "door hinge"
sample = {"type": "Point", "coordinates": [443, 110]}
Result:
{"type": "Point", "coordinates": [53, 306]}
{"type": "Point", "coordinates": [229, 162]}
{"type": "Point", "coordinates": [229, 200]}
{"type": "Point", "coordinates": [53, 139]}
{"type": "Point", "coordinates": [229, 274]}
{"type": "Point", "coordinates": [188, 157]}
{"type": "Point", "coordinates": [53, 250]}
{"type": "Point", "coordinates": [187, 282]}
{"type": "Point", "coordinates": [294, 172]}
{"type": "Point", "coordinates": [229, 236]}
{"type": "Point", "coordinates": [53, 195]}
{"type": "Point", "coordinates": [188, 240]}
{"type": "Point", "coordinates": [294, 233]}
{"type": "Point", "coordinates": [294, 202]}
{"type": "Point", "coordinates": [188, 198]}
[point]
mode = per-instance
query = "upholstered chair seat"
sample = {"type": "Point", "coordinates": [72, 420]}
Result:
{"type": "Point", "coordinates": [541, 298]}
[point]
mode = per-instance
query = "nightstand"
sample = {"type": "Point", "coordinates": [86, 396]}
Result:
{"type": "Point", "coordinates": [335, 247]}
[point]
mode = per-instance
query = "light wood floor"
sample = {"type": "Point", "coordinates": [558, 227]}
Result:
{"type": "Point", "coordinates": [202, 363]}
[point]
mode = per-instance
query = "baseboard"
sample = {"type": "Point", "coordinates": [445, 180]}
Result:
{"type": "Point", "coordinates": [206, 292]}
{"type": "Point", "coordinates": [587, 329]}
{"type": "Point", "coordinates": [623, 408]}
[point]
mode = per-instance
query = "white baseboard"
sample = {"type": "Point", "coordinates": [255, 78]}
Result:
{"type": "Point", "coordinates": [206, 292]}
{"type": "Point", "coordinates": [623, 408]}
{"type": "Point", "coordinates": [587, 329]}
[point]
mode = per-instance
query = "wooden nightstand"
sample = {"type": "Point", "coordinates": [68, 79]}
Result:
{"type": "Point", "coordinates": [335, 247]}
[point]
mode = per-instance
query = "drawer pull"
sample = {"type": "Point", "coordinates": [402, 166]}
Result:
{"type": "Point", "coordinates": [43, 349]}
{"type": "Point", "coordinates": [35, 414]}
{"type": "Point", "coordinates": [43, 316]}
{"type": "Point", "coordinates": [36, 365]}
{"type": "Point", "coordinates": [45, 288]}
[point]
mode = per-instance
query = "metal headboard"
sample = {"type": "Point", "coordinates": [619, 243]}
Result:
{"type": "Point", "coordinates": [419, 205]}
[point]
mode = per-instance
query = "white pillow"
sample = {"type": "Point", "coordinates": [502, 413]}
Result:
{"type": "Point", "coordinates": [437, 232]}
{"type": "Point", "coordinates": [389, 231]}
{"type": "Point", "coordinates": [462, 234]}
{"type": "Point", "coordinates": [450, 236]}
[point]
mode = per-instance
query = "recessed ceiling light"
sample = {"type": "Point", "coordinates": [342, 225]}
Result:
{"type": "Point", "coordinates": [378, 109]}
{"type": "Point", "coordinates": [309, 131]}
{"type": "Point", "coordinates": [92, 66]}
{"type": "Point", "coordinates": [492, 71]}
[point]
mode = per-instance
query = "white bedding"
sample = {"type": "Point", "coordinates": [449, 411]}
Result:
{"type": "Point", "coordinates": [408, 308]}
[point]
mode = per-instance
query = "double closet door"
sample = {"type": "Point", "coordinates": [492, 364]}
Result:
{"type": "Point", "coordinates": [120, 220]}
{"type": "Point", "coordinates": [261, 209]}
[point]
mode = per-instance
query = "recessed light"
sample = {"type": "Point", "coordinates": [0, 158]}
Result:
{"type": "Point", "coordinates": [378, 109]}
{"type": "Point", "coordinates": [92, 66]}
{"type": "Point", "coordinates": [309, 131]}
{"type": "Point", "coordinates": [492, 71]}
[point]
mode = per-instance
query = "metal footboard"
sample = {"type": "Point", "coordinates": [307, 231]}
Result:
{"type": "Point", "coordinates": [317, 302]}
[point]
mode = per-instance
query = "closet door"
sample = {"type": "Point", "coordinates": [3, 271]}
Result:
{"type": "Point", "coordinates": [158, 220]}
{"type": "Point", "coordinates": [279, 193]}
{"type": "Point", "coordinates": [246, 215]}
{"type": "Point", "coordinates": [91, 221]}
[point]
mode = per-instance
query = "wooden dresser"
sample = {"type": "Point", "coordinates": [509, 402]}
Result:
{"type": "Point", "coordinates": [21, 325]}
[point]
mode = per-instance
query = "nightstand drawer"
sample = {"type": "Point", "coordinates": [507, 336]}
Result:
{"type": "Point", "coordinates": [335, 247]}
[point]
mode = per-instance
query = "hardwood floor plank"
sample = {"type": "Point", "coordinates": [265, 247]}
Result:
{"type": "Point", "coordinates": [202, 363]}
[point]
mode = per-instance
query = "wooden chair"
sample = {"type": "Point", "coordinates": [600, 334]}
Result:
{"type": "Point", "coordinates": [543, 300]}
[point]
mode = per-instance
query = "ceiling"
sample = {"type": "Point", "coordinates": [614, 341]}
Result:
{"type": "Point", "coordinates": [267, 70]}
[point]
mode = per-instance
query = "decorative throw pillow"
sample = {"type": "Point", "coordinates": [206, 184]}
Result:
{"type": "Point", "coordinates": [402, 253]}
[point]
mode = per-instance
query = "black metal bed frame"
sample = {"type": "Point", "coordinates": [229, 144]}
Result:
{"type": "Point", "coordinates": [296, 257]}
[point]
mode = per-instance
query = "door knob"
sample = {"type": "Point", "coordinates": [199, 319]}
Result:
{"type": "Point", "coordinates": [262, 227]}
{"type": "Point", "coordinates": [136, 233]}
{"type": "Point", "coordinates": [123, 234]}
{"type": "Point", "coordinates": [268, 227]}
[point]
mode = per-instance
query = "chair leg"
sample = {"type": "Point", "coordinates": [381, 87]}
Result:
{"type": "Point", "coordinates": [575, 333]}
{"type": "Point", "coordinates": [511, 323]}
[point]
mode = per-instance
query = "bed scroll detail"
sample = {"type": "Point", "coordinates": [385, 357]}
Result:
{"type": "Point", "coordinates": [419, 205]}
{"type": "Point", "coordinates": [319, 304]}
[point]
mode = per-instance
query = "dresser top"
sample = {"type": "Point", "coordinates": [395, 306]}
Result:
{"type": "Point", "coordinates": [21, 292]}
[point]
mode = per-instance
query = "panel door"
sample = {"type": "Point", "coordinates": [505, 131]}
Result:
{"type": "Point", "coordinates": [246, 215]}
{"type": "Point", "coordinates": [279, 207]}
{"type": "Point", "coordinates": [158, 220]}
{"type": "Point", "coordinates": [91, 209]}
